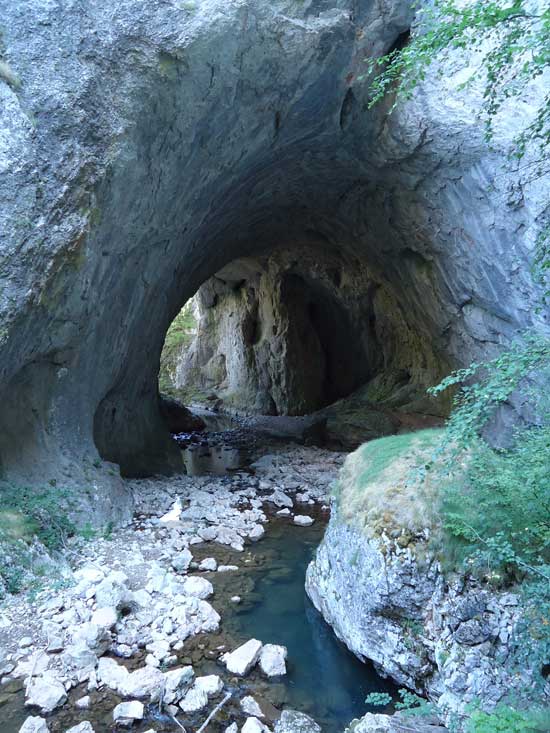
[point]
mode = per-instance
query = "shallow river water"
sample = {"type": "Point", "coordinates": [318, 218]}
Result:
{"type": "Point", "coordinates": [324, 679]}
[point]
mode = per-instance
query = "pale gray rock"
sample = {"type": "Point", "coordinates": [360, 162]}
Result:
{"type": "Point", "coordinates": [253, 725]}
{"type": "Point", "coordinates": [256, 533]}
{"type": "Point", "coordinates": [438, 637]}
{"type": "Point", "coordinates": [208, 564]}
{"type": "Point", "coordinates": [241, 660]}
{"type": "Point", "coordinates": [398, 723]}
{"type": "Point", "coordinates": [127, 713]}
{"type": "Point", "coordinates": [145, 683]}
{"type": "Point", "coordinates": [280, 499]}
{"type": "Point", "coordinates": [84, 727]}
{"type": "Point", "coordinates": [34, 724]}
{"type": "Point", "coordinates": [194, 700]}
{"type": "Point", "coordinates": [250, 707]}
{"type": "Point", "coordinates": [303, 520]}
{"type": "Point", "coordinates": [437, 227]}
{"type": "Point", "coordinates": [182, 560]}
{"type": "Point", "coordinates": [105, 617]}
{"type": "Point", "coordinates": [176, 682]}
{"type": "Point", "coordinates": [272, 660]}
{"type": "Point", "coordinates": [291, 721]}
{"type": "Point", "coordinates": [198, 587]}
{"type": "Point", "coordinates": [46, 692]}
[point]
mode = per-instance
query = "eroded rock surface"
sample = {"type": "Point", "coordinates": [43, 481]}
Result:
{"type": "Point", "coordinates": [149, 145]}
{"type": "Point", "coordinates": [377, 582]}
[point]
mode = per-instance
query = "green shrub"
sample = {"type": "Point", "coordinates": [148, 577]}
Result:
{"type": "Point", "coordinates": [504, 719]}
{"type": "Point", "coordinates": [178, 336]}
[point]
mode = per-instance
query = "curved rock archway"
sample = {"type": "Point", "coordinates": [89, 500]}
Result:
{"type": "Point", "coordinates": [148, 145]}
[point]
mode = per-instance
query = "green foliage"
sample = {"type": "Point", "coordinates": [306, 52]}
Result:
{"type": "Point", "coordinates": [505, 719]}
{"type": "Point", "coordinates": [409, 702]}
{"type": "Point", "coordinates": [413, 704]}
{"type": "Point", "coordinates": [378, 699]}
{"type": "Point", "coordinates": [26, 516]}
{"type": "Point", "coordinates": [495, 504]}
{"type": "Point", "coordinates": [512, 40]}
{"type": "Point", "coordinates": [44, 511]}
{"type": "Point", "coordinates": [178, 336]}
{"type": "Point", "coordinates": [493, 383]}
{"type": "Point", "coordinates": [381, 453]}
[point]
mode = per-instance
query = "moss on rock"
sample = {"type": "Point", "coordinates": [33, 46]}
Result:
{"type": "Point", "coordinates": [384, 486]}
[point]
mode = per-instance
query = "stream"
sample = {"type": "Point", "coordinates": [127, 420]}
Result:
{"type": "Point", "coordinates": [264, 599]}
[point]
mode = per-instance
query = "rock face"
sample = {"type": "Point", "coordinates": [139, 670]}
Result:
{"type": "Point", "coordinates": [149, 145]}
{"type": "Point", "coordinates": [379, 587]}
{"type": "Point", "coordinates": [397, 723]}
{"type": "Point", "coordinates": [291, 721]}
{"type": "Point", "coordinates": [178, 418]}
{"type": "Point", "coordinates": [293, 332]}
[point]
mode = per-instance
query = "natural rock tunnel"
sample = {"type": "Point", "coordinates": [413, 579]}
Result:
{"type": "Point", "coordinates": [141, 159]}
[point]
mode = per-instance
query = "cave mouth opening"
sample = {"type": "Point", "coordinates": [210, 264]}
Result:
{"type": "Point", "coordinates": [295, 331]}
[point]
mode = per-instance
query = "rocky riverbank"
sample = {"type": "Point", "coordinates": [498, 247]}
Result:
{"type": "Point", "coordinates": [137, 636]}
{"type": "Point", "coordinates": [378, 582]}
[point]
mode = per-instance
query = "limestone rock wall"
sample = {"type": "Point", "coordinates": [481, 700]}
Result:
{"type": "Point", "coordinates": [297, 330]}
{"type": "Point", "coordinates": [448, 641]}
{"type": "Point", "coordinates": [147, 145]}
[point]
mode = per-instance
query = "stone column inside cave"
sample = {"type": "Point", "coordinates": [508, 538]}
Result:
{"type": "Point", "coordinates": [175, 144]}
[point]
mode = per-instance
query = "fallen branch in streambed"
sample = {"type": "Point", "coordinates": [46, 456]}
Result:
{"type": "Point", "coordinates": [218, 707]}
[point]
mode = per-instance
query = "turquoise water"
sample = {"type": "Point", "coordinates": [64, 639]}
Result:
{"type": "Point", "coordinates": [324, 679]}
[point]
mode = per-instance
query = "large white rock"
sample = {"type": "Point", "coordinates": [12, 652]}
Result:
{"type": "Point", "coordinates": [209, 563]}
{"type": "Point", "coordinates": [105, 617]}
{"type": "Point", "coordinates": [196, 586]}
{"type": "Point", "coordinates": [113, 591]}
{"type": "Point", "coordinates": [250, 707]}
{"type": "Point", "coordinates": [280, 499]}
{"type": "Point", "coordinates": [194, 700]}
{"type": "Point", "coordinates": [182, 560]}
{"type": "Point", "coordinates": [46, 693]}
{"type": "Point", "coordinates": [126, 713]}
{"type": "Point", "coordinates": [211, 684]}
{"type": "Point", "coordinates": [202, 690]}
{"type": "Point", "coordinates": [253, 725]}
{"type": "Point", "coordinates": [176, 682]}
{"type": "Point", "coordinates": [145, 683]}
{"type": "Point", "coordinates": [34, 724]}
{"type": "Point", "coordinates": [272, 660]}
{"type": "Point", "coordinates": [84, 727]}
{"type": "Point", "coordinates": [291, 721]}
{"type": "Point", "coordinates": [256, 533]}
{"type": "Point", "coordinates": [241, 660]}
{"type": "Point", "coordinates": [303, 520]}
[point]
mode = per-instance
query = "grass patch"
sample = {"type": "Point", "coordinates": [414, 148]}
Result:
{"type": "Point", "coordinates": [384, 485]}
{"type": "Point", "coordinates": [33, 523]}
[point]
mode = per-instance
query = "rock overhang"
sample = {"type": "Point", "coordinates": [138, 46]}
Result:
{"type": "Point", "coordinates": [150, 146]}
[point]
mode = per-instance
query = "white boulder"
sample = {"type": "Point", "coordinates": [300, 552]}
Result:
{"type": "Point", "coordinates": [209, 563]}
{"type": "Point", "coordinates": [34, 724]}
{"type": "Point", "coordinates": [84, 727]}
{"type": "Point", "coordinates": [196, 586]}
{"type": "Point", "coordinates": [303, 520]}
{"type": "Point", "coordinates": [241, 660]}
{"type": "Point", "coordinates": [253, 725]}
{"type": "Point", "coordinates": [182, 561]}
{"type": "Point", "coordinates": [46, 693]}
{"type": "Point", "coordinates": [126, 713]}
{"type": "Point", "coordinates": [250, 707]}
{"type": "Point", "coordinates": [272, 660]}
